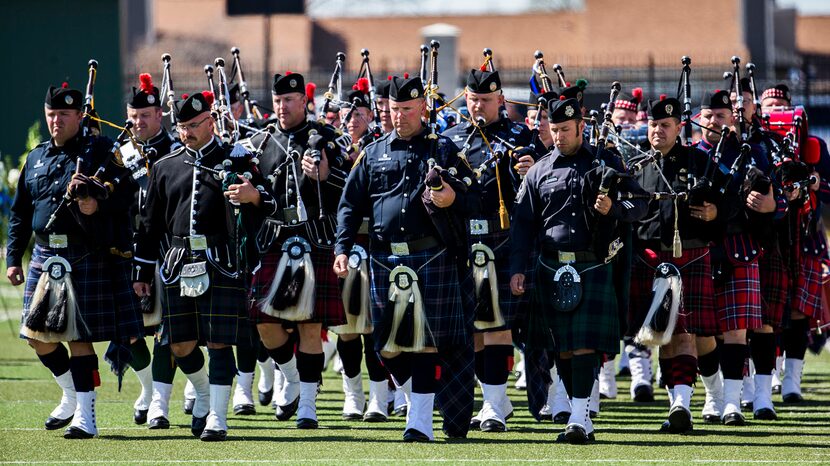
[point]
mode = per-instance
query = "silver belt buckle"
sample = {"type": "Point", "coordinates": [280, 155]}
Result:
{"type": "Point", "coordinates": [566, 257]}
{"type": "Point", "coordinates": [58, 241]}
{"type": "Point", "coordinates": [479, 227]}
{"type": "Point", "coordinates": [399, 249]}
{"type": "Point", "coordinates": [197, 242]}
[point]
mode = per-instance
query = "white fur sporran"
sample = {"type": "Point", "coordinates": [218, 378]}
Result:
{"type": "Point", "coordinates": [54, 299]}
{"type": "Point", "coordinates": [356, 295]}
{"type": "Point", "coordinates": [408, 326]}
{"type": "Point", "coordinates": [661, 318]}
{"type": "Point", "coordinates": [488, 310]}
{"type": "Point", "coordinates": [291, 296]}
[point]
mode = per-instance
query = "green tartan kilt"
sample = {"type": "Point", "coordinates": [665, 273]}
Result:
{"type": "Point", "coordinates": [594, 324]}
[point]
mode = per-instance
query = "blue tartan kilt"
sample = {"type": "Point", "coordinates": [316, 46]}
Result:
{"type": "Point", "coordinates": [103, 288]}
{"type": "Point", "coordinates": [594, 324]}
{"type": "Point", "coordinates": [218, 316]}
{"type": "Point", "coordinates": [512, 307]}
{"type": "Point", "coordinates": [440, 291]}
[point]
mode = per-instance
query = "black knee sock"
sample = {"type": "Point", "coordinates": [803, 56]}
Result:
{"type": "Point", "coordinates": [140, 354]}
{"type": "Point", "coordinates": [351, 353]}
{"type": "Point", "coordinates": [709, 363]}
{"type": "Point", "coordinates": [246, 358]}
{"type": "Point", "coordinates": [794, 339]}
{"type": "Point", "coordinates": [497, 364]}
{"type": "Point", "coordinates": [584, 372]}
{"type": "Point", "coordinates": [262, 352]}
{"type": "Point", "coordinates": [310, 366]}
{"type": "Point", "coordinates": [684, 370]}
{"type": "Point", "coordinates": [762, 346]}
{"type": "Point", "coordinates": [221, 366]}
{"type": "Point", "coordinates": [373, 366]}
{"type": "Point", "coordinates": [282, 354]}
{"type": "Point", "coordinates": [84, 372]}
{"type": "Point", "coordinates": [732, 359]}
{"type": "Point", "coordinates": [400, 367]}
{"type": "Point", "coordinates": [193, 362]}
{"type": "Point", "coordinates": [57, 361]}
{"type": "Point", "coordinates": [667, 371]}
{"type": "Point", "coordinates": [480, 365]}
{"type": "Point", "coordinates": [424, 372]}
{"type": "Point", "coordinates": [565, 371]}
{"type": "Point", "coordinates": [164, 367]}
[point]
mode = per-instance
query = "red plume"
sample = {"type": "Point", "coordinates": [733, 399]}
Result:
{"type": "Point", "coordinates": [662, 96]}
{"type": "Point", "coordinates": [288, 73]}
{"type": "Point", "coordinates": [717, 90]}
{"type": "Point", "coordinates": [561, 97]}
{"type": "Point", "coordinates": [483, 67]}
{"type": "Point", "coordinates": [208, 97]}
{"type": "Point", "coordinates": [567, 84]}
{"type": "Point", "coordinates": [637, 94]}
{"type": "Point", "coordinates": [362, 85]}
{"type": "Point", "coordinates": [146, 83]}
{"type": "Point", "coordinates": [65, 85]}
{"type": "Point", "coordinates": [185, 96]}
{"type": "Point", "coordinates": [389, 78]}
{"type": "Point", "coordinates": [406, 76]}
{"type": "Point", "coordinates": [309, 90]}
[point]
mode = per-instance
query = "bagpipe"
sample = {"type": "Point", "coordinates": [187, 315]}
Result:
{"type": "Point", "coordinates": [333, 102]}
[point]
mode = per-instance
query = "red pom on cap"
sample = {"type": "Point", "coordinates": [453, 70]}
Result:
{"type": "Point", "coordinates": [389, 78]}
{"type": "Point", "coordinates": [406, 76]}
{"type": "Point", "coordinates": [185, 96]}
{"type": "Point", "coordinates": [208, 97]}
{"type": "Point", "coordinates": [146, 83]}
{"type": "Point", "coordinates": [288, 73]}
{"type": "Point", "coordinates": [637, 94]}
{"type": "Point", "coordinates": [717, 90]}
{"type": "Point", "coordinates": [309, 90]}
{"type": "Point", "coordinates": [567, 84]}
{"type": "Point", "coordinates": [362, 85]}
{"type": "Point", "coordinates": [266, 115]}
{"type": "Point", "coordinates": [561, 97]}
{"type": "Point", "coordinates": [65, 85]}
{"type": "Point", "coordinates": [662, 96]}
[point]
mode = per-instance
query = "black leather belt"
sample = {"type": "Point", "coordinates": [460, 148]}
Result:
{"type": "Point", "coordinates": [404, 248]}
{"type": "Point", "coordinates": [485, 226]}
{"type": "Point", "coordinates": [578, 256]}
{"type": "Point", "coordinates": [185, 241]}
{"type": "Point", "coordinates": [42, 239]}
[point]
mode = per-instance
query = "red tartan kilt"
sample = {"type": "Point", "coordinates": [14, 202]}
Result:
{"type": "Point", "coordinates": [775, 284]}
{"type": "Point", "coordinates": [739, 298]}
{"type": "Point", "coordinates": [328, 301]}
{"type": "Point", "coordinates": [697, 309]}
{"type": "Point", "coordinates": [808, 295]}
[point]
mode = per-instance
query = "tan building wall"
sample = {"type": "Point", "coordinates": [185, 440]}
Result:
{"type": "Point", "coordinates": [812, 34]}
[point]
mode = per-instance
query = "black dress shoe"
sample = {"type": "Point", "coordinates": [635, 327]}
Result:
{"type": "Point", "coordinates": [76, 433]}
{"type": "Point", "coordinates": [187, 407]}
{"type": "Point", "coordinates": [680, 420]}
{"type": "Point", "coordinates": [244, 410]}
{"type": "Point", "coordinates": [734, 419]}
{"type": "Point", "coordinates": [765, 414]}
{"type": "Point", "coordinates": [455, 435]}
{"type": "Point", "coordinates": [400, 411]}
{"type": "Point", "coordinates": [53, 423]}
{"type": "Point", "coordinates": [210, 435]}
{"type": "Point", "coordinates": [776, 389]}
{"type": "Point", "coordinates": [664, 427]}
{"type": "Point", "coordinates": [562, 438]}
{"type": "Point", "coordinates": [593, 414]}
{"type": "Point", "coordinates": [140, 416]}
{"type": "Point", "coordinates": [265, 397]}
{"type": "Point", "coordinates": [374, 417]}
{"type": "Point", "coordinates": [575, 434]}
{"type": "Point", "coordinates": [197, 425]}
{"type": "Point", "coordinates": [643, 394]}
{"type": "Point", "coordinates": [747, 406]}
{"type": "Point", "coordinates": [284, 413]}
{"type": "Point", "coordinates": [160, 422]}
{"type": "Point", "coordinates": [711, 418]}
{"type": "Point", "coordinates": [412, 435]}
{"type": "Point", "coordinates": [792, 398]}
{"type": "Point", "coordinates": [306, 423]}
{"type": "Point", "coordinates": [475, 424]}
{"type": "Point", "coordinates": [561, 417]}
{"type": "Point", "coordinates": [352, 417]}
{"type": "Point", "coordinates": [493, 425]}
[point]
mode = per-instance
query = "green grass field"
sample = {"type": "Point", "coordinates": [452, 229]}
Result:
{"type": "Point", "coordinates": [626, 433]}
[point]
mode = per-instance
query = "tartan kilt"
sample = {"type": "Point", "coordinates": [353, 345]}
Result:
{"type": "Point", "coordinates": [595, 323]}
{"type": "Point", "coordinates": [440, 291]}
{"type": "Point", "coordinates": [738, 298]}
{"type": "Point", "coordinates": [218, 316]}
{"type": "Point", "coordinates": [775, 284]}
{"type": "Point", "coordinates": [512, 307]}
{"type": "Point", "coordinates": [103, 288]}
{"type": "Point", "coordinates": [328, 298]}
{"type": "Point", "coordinates": [697, 308]}
{"type": "Point", "coordinates": [808, 294]}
